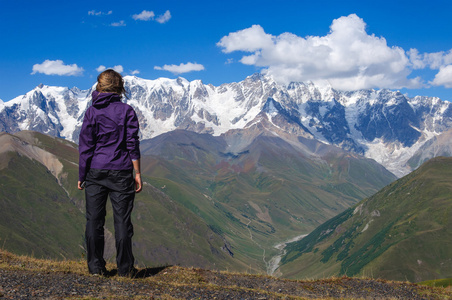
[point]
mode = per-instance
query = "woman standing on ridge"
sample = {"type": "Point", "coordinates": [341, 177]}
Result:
{"type": "Point", "coordinates": [109, 152]}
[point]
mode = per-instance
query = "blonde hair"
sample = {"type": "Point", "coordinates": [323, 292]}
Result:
{"type": "Point", "coordinates": [110, 81]}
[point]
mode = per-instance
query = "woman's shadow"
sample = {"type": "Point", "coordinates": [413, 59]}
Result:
{"type": "Point", "coordinates": [142, 273]}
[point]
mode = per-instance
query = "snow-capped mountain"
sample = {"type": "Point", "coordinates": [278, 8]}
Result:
{"type": "Point", "coordinates": [380, 124]}
{"type": "Point", "coordinates": [57, 111]}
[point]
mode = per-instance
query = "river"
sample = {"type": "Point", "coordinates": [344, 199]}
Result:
{"type": "Point", "coordinates": [275, 261]}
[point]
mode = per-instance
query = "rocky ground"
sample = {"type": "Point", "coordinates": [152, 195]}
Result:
{"type": "Point", "coordinates": [34, 279]}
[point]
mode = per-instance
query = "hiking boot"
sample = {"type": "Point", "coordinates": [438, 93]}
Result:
{"type": "Point", "coordinates": [102, 272]}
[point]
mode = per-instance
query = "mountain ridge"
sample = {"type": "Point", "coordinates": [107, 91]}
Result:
{"type": "Point", "coordinates": [400, 233]}
{"type": "Point", "coordinates": [381, 124]}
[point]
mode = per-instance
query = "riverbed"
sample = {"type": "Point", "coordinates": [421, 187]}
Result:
{"type": "Point", "coordinates": [275, 261]}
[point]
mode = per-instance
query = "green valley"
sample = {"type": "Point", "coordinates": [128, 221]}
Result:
{"type": "Point", "coordinates": [203, 204]}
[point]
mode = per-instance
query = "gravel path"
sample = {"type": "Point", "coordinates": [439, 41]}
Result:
{"type": "Point", "coordinates": [185, 283]}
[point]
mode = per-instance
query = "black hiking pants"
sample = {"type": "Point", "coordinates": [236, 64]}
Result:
{"type": "Point", "coordinates": [119, 185]}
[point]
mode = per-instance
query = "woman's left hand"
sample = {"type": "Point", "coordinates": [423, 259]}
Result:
{"type": "Point", "coordinates": [138, 183]}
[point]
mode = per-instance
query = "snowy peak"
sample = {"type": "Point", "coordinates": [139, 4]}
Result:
{"type": "Point", "coordinates": [51, 110]}
{"type": "Point", "coordinates": [310, 92]}
{"type": "Point", "coordinates": [380, 124]}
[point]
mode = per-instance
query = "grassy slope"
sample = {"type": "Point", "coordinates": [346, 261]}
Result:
{"type": "Point", "coordinates": [258, 198]}
{"type": "Point", "coordinates": [200, 207]}
{"type": "Point", "coordinates": [44, 217]}
{"type": "Point", "coordinates": [167, 233]}
{"type": "Point", "coordinates": [36, 215]}
{"type": "Point", "coordinates": [402, 233]}
{"type": "Point", "coordinates": [216, 220]}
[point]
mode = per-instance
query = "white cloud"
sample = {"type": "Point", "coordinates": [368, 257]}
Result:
{"type": "Point", "coordinates": [117, 68]}
{"type": "Point", "coordinates": [94, 13]}
{"type": "Point", "coordinates": [118, 24]}
{"type": "Point", "coordinates": [99, 13]}
{"type": "Point", "coordinates": [164, 18]}
{"type": "Point", "coordinates": [144, 16]}
{"type": "Point", "coordinates": [101, 68]}
{"type": "Point", "coordinates": [434, 61]}
{"type": "Point", "coordinates": [182, 68]}
{"type": "Point", "coordinates": [441, 61]}
{"type": "Point", "coordinates": [444, 77]}
{"type": "Point", "coordinates": [347, 56]}
{"type": "Point", "coordinates": [417, 60]}
{"type": "Point", "coordinates": [57, 67]}
{"type": "Point", "coordinates": [249, 40]}
{"type": "Point", "coordinates": [135, 72]}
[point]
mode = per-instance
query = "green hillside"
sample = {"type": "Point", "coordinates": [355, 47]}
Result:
{"type": "Point", "coordinates": [37, 215]}
{"type": "Point", "coordinates": [266, 193]}
{"type": "Point", "coordinates": [42, 211]}
{"type": "Point", "coordinates": [201, 206]}
{"type": "Point", "coordinates": [404, 232]}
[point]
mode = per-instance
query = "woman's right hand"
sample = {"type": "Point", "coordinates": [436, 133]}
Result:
{"type": "Point", "coordinates": [80, 185]}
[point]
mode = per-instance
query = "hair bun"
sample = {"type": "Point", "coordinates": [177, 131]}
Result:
{"type": "Point", "coordinates": [110, 81]}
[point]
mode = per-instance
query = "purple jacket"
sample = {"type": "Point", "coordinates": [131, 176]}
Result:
{"type": "Point", "coordinates": [109, 135]}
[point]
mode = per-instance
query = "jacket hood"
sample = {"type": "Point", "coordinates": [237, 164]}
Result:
{"type": "Point", "coordinates": [103, 99]}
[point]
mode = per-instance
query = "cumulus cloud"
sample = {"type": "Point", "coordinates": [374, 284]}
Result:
{"type": "Point", "coordinates": [144, 16]}
{"type": "Point", "coordinates": [135, 72]}
{"type": "Point", "coordinates": [182, 68]}
{"type": "Point", "coordinates": [347, 56]}
{"type": "Point", "coordinates": [164, 18]}
{"type": "Point", "coordinates": [444, 77]}
{"type": "Point", "coordinates": [250, 40]}
{"type": "Point", "coordinates": [57, 67]}
{"type": "Point", "coordinates": [118, 24]}
{"type": "Point", "coordinates": [117, 68]}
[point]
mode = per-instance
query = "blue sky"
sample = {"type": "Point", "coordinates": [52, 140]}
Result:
{"type": "Point", "coordinates": [401, 45]}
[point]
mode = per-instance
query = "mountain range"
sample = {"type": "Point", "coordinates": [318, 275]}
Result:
{"type": "Point", "coordinates": [383, 125]}
{"type": "Point", "coordinates": [229, 171]}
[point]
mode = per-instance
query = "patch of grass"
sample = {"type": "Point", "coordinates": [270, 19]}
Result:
{"type": "Point", "coordinates": [182, 283]}
{"type": "Point", "coordinates": [446, 282]}
{"type": "Point", "coordinates": [23, 262]}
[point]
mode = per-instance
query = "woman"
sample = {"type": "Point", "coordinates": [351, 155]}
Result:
{"type": "Point", "coordinates": [109, 152]}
